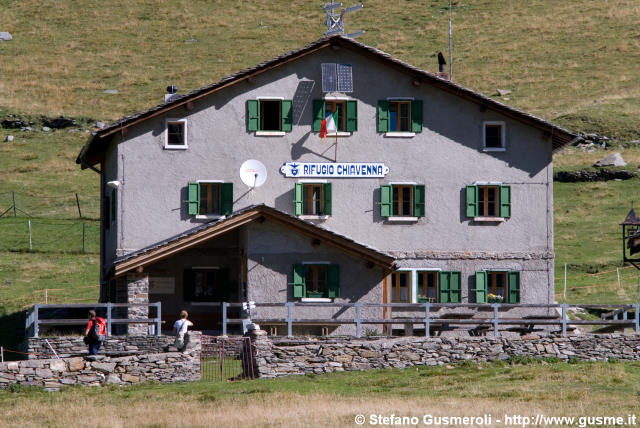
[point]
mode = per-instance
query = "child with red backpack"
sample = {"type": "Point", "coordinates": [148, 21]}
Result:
{"type": "Point", "coordinates": [95, 333]}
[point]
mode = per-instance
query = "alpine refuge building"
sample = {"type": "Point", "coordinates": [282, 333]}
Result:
{"type": "Point", "coordinates": [332, 173]}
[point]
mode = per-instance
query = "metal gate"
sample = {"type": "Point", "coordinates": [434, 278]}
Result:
{"type": "Point", "coordinates": [224, 359]}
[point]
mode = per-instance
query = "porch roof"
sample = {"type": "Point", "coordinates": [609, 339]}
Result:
{"type": "Point", "coordinates": [197, 235]}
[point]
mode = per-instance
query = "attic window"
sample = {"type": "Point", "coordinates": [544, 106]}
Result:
{"type": "Point", "coordinates": [176, 134]}
{"type": "Point", "coordinates": [494, 136]}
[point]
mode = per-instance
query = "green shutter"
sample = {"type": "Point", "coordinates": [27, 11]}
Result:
{"type": "Point", "coordinates": [352, 116]}
{"type": "Point", "coordinates": [226, 199]}
{"type": "Point", "coordinates": [472, 201]}
{"type": "Point", "coordinates": [505, 201]}
{"type": "Point", "coordinates": [444, 287]}
{"type": "Point", "coordinates": [187, 284]}
{"type": "Point", "coordinates": [194, 198]}
{"type": "Point", "coordinates": [514, 287]}
{"type": "Point", "coordinates": [481, 287]}
{"type": "Point", "coordinates": [114, 205]}
{"type": "Point", "coordinates": [299, 274]}
{"type": "Point", "coordinates": [253, 115]}
{"type": "Point", "coordinates": [326, 195]}
{"type": "Point", "coordinates": [383, 116]}
{"type": "Point", "coordinates": [418, 200]}
{"type": "Point", "coordinates": [297, 198]}
{"type": "Point", "coordinates": [455, 284]}
{"type": "Point", "coordinates": [333, 281]}
{"type": "Point", "coordinates": [386, 200]}
{"type": "Point", "coordinates": [416, 116]}
{"type": "Point", "coordinates": [318, 114]}
{"type": "Point", "coordinates": [287, 115]}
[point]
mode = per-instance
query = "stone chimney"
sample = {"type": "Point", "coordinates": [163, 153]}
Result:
{"type": "Point", "coordinates": [442, 67]}
{"type": "Point", "coordinates": [172, 92]}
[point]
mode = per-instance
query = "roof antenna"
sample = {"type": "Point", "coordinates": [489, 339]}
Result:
{"type": "Point", "coordinates": [335, 23]}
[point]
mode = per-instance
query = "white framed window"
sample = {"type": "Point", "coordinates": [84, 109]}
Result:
{"type": "Point", "coordinates": [175, 134]}
{"type": "Point", "coordinates": [494, 136]}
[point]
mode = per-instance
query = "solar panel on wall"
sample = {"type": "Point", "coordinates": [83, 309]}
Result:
{"type": "Point", "coordinates": [329, 77]}
{"type": "Point", "coordinates": [345, 78]}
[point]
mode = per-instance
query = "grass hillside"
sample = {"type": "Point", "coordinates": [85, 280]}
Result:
{"type": "Point", "coordinates": [573, 62]}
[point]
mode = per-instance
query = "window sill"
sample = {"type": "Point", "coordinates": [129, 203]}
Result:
{"type": "Point", "coordinates": [316, 300]}
{"type": "Point", "coordinates": [398, 219]}
{"type": "Point", "coordinates": [270, 133]}
{"type": "Point", "coordinates": [209, 217]}
{"type": "Point", "coordinates": [400, 134]}
{"type": "Point", "coordinates": [176, 147]}
{"type": "Point", "coordinates": [313, 217]}
{"type": "Point", "coordinates": [494, 149]}
{"type": "Point", "coordinates": [339, 134]}
{"type": "Point", "coordinates": [489, 219]}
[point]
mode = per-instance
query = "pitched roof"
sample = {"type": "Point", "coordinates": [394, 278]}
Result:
{"type": "Point", "coordinates": [98, 141]}
{"type": "Point", "coordinates": [197, 235]}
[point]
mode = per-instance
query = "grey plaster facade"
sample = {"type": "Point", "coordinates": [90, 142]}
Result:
{"type": "Point", "coordinates": [446, 156]}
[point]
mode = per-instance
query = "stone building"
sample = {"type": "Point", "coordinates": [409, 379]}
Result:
{"type": "Point", "coordinates": [426, 192]}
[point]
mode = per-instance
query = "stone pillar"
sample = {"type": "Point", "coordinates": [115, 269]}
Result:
{"type": "Point", "coordinates": [138, 292]}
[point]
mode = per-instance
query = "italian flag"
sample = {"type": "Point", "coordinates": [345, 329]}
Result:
{"type": "Point", "coordinates": [329, 124]}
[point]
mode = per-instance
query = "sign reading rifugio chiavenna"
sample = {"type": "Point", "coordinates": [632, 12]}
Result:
{"type": "Point", "coordinates": [334, 170]}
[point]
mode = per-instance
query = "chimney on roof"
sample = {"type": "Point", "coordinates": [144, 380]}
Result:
{"type": "Point", "coordinates": [442, 67]}
{"type": "Point", "coordinates": [172, 92]}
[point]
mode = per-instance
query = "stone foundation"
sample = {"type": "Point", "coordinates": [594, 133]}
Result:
{"type": "Point", "coordinates": [275, 357]}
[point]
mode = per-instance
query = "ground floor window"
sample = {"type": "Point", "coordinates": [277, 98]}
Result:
{"type": "Point", "coordinates": [316, 280]}
{"type": "Point", "coordinates": [401, 287]}
{"type": "Point", "coordinates": [430, 286]}
{"type": "Point", "coordinates": [206, 285]}
{"type": "Point", "coordinates": [497, 287]}
{"type": "Point", "coordinates": [427, 286]}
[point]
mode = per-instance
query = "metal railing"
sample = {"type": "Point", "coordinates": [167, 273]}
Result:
{"type": "Point", "coordinates": [34, 316]}
{"type": "Point", "coordinates": [428, 320]}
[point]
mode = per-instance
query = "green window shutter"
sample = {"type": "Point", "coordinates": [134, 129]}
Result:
{"type": "Point", "coordinates": [194, 198]}
{"type": "Point", "coordinates": [326, 195]}
{"type": "Point", "coordinates": [253, 115]}
{"type": "Point", "coordinates": [472, 201]}
{"type": "Point", "coordinates": [444, 286]}
{"type": "Point", "coordinates": [333, 281]}
{"type": "Point", "coordinates": [114, 205]}
{"type": "Point", "coordinates": [505, 201]}
{"type": "Point", "coordinates": [416, 116]}
{"type": "Point", "coordinates": [418, 200]}
{"type": "Point", "coordinates": [383, 116]}
{"type": "Point", "coordinates": [481, 287]}
{"type": "Point", "coordinates": [352, 116]}
{"type": "Point", "coordinates": [297, 198]}
{"type": "Point", "coordinates": [514, 287]}
{"type": "Point", "coordinates": [187, 284]}
{"type": "Point", "coordinates": [226, 199]}
{"type": "Point", "coordinates": [287, 115]}
{"type": "Point", "coordinates": [386, 200]}
{"type": "Point", "coordinates": [299, 274]}
{"type": "Point", "coordinates": [455, 285]}
{"type": "Point", "coordinates": [318, 114]}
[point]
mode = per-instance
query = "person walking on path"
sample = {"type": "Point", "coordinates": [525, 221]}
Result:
{"type": "Point", "coordinates": [95, 332]}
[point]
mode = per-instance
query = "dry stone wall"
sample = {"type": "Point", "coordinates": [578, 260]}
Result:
{"type": "Point", "coordinates": [275, 357]}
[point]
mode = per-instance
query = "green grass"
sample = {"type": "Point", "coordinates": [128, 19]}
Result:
{"type": "Point", "coordinates": [574, 61]}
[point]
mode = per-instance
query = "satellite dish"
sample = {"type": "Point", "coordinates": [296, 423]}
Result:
{"type": "Point", "coordinates": [253, 173]}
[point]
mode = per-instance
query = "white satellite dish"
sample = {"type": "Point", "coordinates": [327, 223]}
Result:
{"type": "Point", "coordinates": [253, 173]}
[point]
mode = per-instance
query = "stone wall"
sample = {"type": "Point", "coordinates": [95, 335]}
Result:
{"type": "Point", "coordinates": [275, 357]}
{"type": "Point", "coordinates": [71, 346]}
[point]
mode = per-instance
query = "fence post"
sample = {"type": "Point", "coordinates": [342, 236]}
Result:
{"type": "Point", "coordinates": [108, 318]}
{"type": "Point", "coordinates": [224, 319]}
{"type": "Point", "coordinates": [29, 223]}
{"type": "Point", "coordinates": [83, 235]}
{"type": "Point", "coordinates": [564, 319]}
{"type": "Point", "coordinates": [289, 319]}
{"type": "Point", "coordinates": [159, 318]}
{"type": "Point", "coordinates": [427, 319]}
{"type": "Point", "coordinates": [35, 320]}
{"type": "Point", "coordinates": [13, 200]}
{"type": "Point", "coordinates": [495, 319]}
{"type": "Point", "coordinates": [358, 319]}
{"type": "Point", "coordinates": [78, 203]}
{"type": "Point", "coordinates": [636, 324]}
